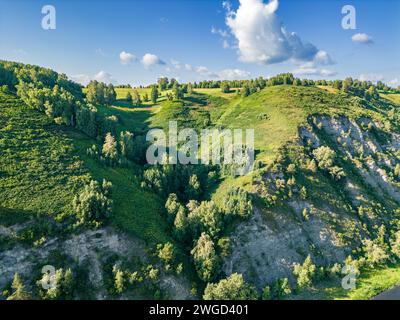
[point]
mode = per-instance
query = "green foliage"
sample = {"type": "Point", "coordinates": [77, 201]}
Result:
{"type": "Point", "coordinates": [305, 273]}
{"type": "Point", "coordinates": [375, 253]}
{"type": "Point", "coordinates": [19, 292]}
{"type": "Point", "coordinates": [237, 202]}
{"type": "Point", "coordinates": [166, 252]}
{"type": "Point", "coordinates": [99, 93]}
{"type": "Point", "coordinates": [205, 258]}
{"type": "Point", "coordinates": [154, 94]}
{"type": "Point", "coordinates": [281, 289]}
{"type": "Point", "coordinates": [61, 285]}
{"type": "Point", "coordinates": [119, 280]}
{"type": "Point", "coordinates": [110, 150]}
{"type": "Point", "coordinates": [206, 217]}
{"type": "Point", "coordinates": [93, 204]}
{"type": "Point", "coordinates": [231, 288]}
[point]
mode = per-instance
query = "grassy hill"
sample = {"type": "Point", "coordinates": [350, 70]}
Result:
{"type": "Point", "coordinates": [43, 166]}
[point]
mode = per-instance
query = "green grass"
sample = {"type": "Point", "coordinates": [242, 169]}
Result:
{"type": "Point", "coordinates": [136, 210]}
{"type": "Point", "coordinates": [43, 166]}
{"type": "Point", "coordinates": [370, 283]}
{"type": "Point", "coordinates": [392, 97]}
{"type": "Point", "coordinates": [39, 172]}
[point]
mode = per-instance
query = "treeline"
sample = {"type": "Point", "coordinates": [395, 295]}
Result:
{"type": "Point", "coordinates": [364, 89]}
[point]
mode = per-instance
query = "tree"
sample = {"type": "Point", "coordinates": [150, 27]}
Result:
{"type": "Point", "coordinates": [305, 272]}
{"type": "Point", "coordinates": [128, 98]}
{"type": "Point", "coordinates": [374, 252]}
{"type": "Point", "coordinates": [136, 98]}
{"type": "Point", "coordinates": [206, 218]}
{"type": "Point", "coordinates": [19, 290]}
{"type": "Point", "coordinates": [281, 289]}
{"type": "Point", "coordinates": [177, 91]}
{"type": "Point", "coordinates": [225, 87]}
{"type": "Point", "coordinates": [93, 205]}
{"type": "Point", "coordinates": [237, 203]}
{"type": "Point", "coordinates": [231, 288]}
{"type": "Point", "coordinates": [109, 94]}
{"type": "Point", "coordinates": [110, 151]}
{"type": "Point", "coordinates": [172, 206]}
{"type": "Point", "coordinates": [193, 190]}
{"type": "Point", "coordinates": [181, 224]}
{"type": "Point", "coordinates": [154, 94]}
{"type": "Point", "coordinates": [119, 280]}
{"type": "Point", "coordinates": [205, 258]}
{"type": "Point", "coordinates": [126, 145]}
{"type": "Point", "coordinates": [166, 252]}
{"type": "Point", "coordinates": [245, 91]}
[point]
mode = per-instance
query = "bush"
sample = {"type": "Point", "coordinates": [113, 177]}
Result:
{"type": "Point", "coordinates": [305, 272]}
{"type": "Point", "coordinates": [93, 204]}
{"type": "Point", "coordinates": [232, 288]}
{"type": "Point", "coordinates": [205, 258]}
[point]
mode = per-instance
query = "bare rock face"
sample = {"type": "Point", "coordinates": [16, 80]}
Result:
{"type": "Point", "coordinates": [89, 247]}
{"type": "Point", "coordinates": [266, 246]}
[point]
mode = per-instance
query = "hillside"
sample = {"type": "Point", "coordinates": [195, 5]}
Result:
{"type": "Point", "coordinates": [326, 189]}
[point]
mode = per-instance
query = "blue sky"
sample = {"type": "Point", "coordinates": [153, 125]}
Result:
{"type": "Point", "coordinates": [204, 39]}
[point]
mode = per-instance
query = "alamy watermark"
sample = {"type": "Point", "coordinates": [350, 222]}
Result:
{"type": "Point", "coordinates": [185, 147]}
{"type": "Point", "coordinates": [49, 19]}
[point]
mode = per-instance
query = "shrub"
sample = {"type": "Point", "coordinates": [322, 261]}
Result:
{"type": "Point", "coordinates": [93, 205]}
{"type": "Point", "coordinates": [232, 288]}
{"type": "Point", "coordinates": [305, 272]}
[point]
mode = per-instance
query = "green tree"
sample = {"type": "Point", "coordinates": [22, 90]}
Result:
{"type": "Point", "coordinates": [109, 150]}
{"type": "Point", "coordinates": [205, 258]}
{"type": "Point", "coordinates": [231, 288]}
{"type": "Point", "coordinates": [128, 98]}
{"type": "Point", "coordinates": [93, 204]}
{"type": "Point", "coordinates": [19, 292]}
{"type": "Point", "coordinates": [305, 272]}
{"type": "Point", "coordinates": [154, 94]}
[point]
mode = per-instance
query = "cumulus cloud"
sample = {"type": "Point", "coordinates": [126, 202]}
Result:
{"type": "Point", "coordinates": [188, 67]}
{"type": "Point", "coordinates": [149, 60]}
{"type": "Point", "coordinates": [262, 38]}
{"type": "Point", "coordinates": [126, 57]}
{"type": "Point", "coordinates": [101, 76]}
{"type": "Point", "coordinates": [362, 38]}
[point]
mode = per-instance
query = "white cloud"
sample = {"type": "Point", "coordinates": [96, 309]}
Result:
{"type": "Point", "coordinates": [225, 44]}
{"type": "Point", "coordinates": [83, 79]}
{"type": "Point", "coordinates": [177, 65]}
{"type": "Point", "coordinates": [373, 77]}
{"type": "Point", "coordinates": [126, 57]}
{"type": "Point", "coordinates": [101, 76]}
{"type": "Point", "coordinates": [188, 67]}
{"type": "Point", "coordinates": [226, 74]}
{"type": "Point", "coordinates": [305, 70]}
{"type": "Point", "coordinates": [149, 60]}
{"type": "Point", "coordinates": [222, 33]}
{"type": "Point", "coordinates": [205, 72]}
{"type": "Point", "coordinates": [362, 38]}
{"type": "Point", "coordinates": [262, 38]}
{"type": "Point", "coordinates": [233, 74]}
